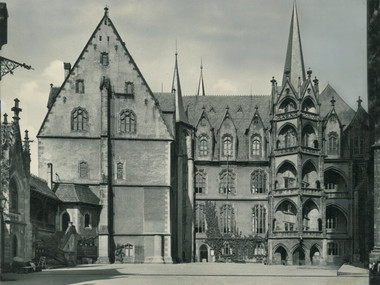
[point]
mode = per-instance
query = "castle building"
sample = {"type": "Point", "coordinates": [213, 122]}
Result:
{"type": "Point", "coordinates": [286, 170]}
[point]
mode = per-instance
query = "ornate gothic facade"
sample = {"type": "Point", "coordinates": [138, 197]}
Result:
{"type": "Point", "coordinates": [290, 167]}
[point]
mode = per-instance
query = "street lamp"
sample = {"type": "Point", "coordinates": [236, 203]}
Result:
{"type": "Point", "coordinates": [2, 206]}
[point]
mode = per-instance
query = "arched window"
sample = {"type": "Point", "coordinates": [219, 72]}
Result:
{"type": "Point", "coordinates": [83, 169]}
{"type": "Point", "coordinates": [79, 119]}
{"type": "Point", "coordinates": [290, 138]}
{"type": "Point", "coordinates": [333, 143]}
{"type": "Point", "coordinates": [203, 145]}
{"type": "Point", "coordinates": [227, 217]}
{"type": "Point", "coordinates": [199, 219]}
{"type": "Point", "coordinates": [129, 250]}
{"type": "Point", "coordinates": [87, 220]}
{"type": "Point", "coordinates": [13, 193]}
{"type": "Point", "coordinates": [258, 219]}
{"type": "Point", "coordinates": [256, 145]}
{"type": "Point", "coordinates": [258, 181]}
{"type": "Point", "coordinates": [127, 121]}
{"type": "Point", "coordinates": [200, 181]}
{"type": "Point", "coordinates": [226, 182]}
{"type": "Point", "coordinates": [332, 248]}
{"type": "Point", "coordinates": [65, 221]}
{"type": "Point", "coordinates": [120, 170]}
{"type": "Point", "coordinates": [260, 249]}
{"type": "Point", "coordinates": [227, 250]}
{"type": "Point", "coordinates": [227, 145]}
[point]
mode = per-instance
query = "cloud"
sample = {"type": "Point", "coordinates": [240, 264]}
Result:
{"type": "Point", "coordinates": [54, 72]}
{"type": "Point", "coordinates": [223, 86]}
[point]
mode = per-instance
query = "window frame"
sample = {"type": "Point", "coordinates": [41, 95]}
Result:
{"type": "Point", "coordinates": [258, 178]}
{"type": "Point", "coordinates": [256, 145]}
{"type": "Point", "coordinates": [104, 59]}
{"type": "Point", "coordinates": [203, 145]}
{"type": "Point", "coordinates": [200, 180]}
{"type": "Point", "coordinates": [128, 121]}
{"type": "Point", "coordinates": [227, 145]}
{"type": "Point", "coordinates": [227, 181]}
{"type": "Point", "coordinates": [259, 218]}
{"type": "Point", "coordinates": [200, 219]}
{"type": "Point", "coordinates": [79, 86]}
{"type": "Point", "coordinates": [79, 119]}
{"type": "Point", "coordinates": [83, 170]}
{"type": "Point", "coordinates": [227, 219]}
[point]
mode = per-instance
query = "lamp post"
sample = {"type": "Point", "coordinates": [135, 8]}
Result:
{"type": "Point", "coordinates": [2, 206]}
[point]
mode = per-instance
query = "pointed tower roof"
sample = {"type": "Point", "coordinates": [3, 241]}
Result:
{"type": "Point", "coordinates": [201, 84]}
{"type": "Point", "coordinates": [294, 65]}
{"type": "Point", "coordinates": [180, 115]}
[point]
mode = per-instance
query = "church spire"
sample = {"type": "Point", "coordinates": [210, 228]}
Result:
{"type": "Point", "coordinates": [201, 84]}
{"type": "Point", "coordinates": [180, 115]}
{"type": "Point", "coordinates": [294, 65]}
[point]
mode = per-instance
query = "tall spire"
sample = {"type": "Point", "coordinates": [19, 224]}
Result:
{"type": "Point", "coordinates": [180, 115]}
{"type": "Point", "coordinates": [201, 84]}
{"type": "Point", "coordinates": [294, 65]}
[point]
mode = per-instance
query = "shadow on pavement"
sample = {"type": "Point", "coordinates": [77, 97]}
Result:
{"type": "Point", "coordinates": [63, 276]}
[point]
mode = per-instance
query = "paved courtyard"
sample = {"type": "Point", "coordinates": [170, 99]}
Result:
{"type": "Point", "coordinates": [195, 273]}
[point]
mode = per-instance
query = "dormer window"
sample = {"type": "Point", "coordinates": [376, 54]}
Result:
{"type": "Point", "coordinates": [227, 145]}
{"type": "Point", "coordinates": [104, 60]}
{"type": "Point", "coordinates": [333, 143]}
{"type": "Point", "coordinates": [256, 145]}
{"type": "Point", "coordinates": [203, 145]}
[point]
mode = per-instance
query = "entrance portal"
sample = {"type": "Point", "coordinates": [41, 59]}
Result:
{"type": "Point", "coordinates": [299, 256]}
{"type": "Point", "coordinates": [203, 253]}
{"type": "Point", "coordinates": [314, 255]}
{"type": "Point", "coordinates": [280, 256]}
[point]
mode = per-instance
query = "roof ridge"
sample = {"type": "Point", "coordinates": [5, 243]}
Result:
{"type": "Point", "coordinates": [227, 95]}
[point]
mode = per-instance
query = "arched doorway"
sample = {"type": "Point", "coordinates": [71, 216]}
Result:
{"type": "Point", "coordinates": [65, 221]}
{"type": "Point", "coordinates": [203, 253]}
{"type": "Point", "coordinates": [298, 256]}
{"type": "Point", "coordinates": [14, 246]}
{"type": "Point", "coordinates": [314, 255]}
{"type": "Point", "coordinates": [280, 256]}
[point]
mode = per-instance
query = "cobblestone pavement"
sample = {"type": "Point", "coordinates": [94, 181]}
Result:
{"type": "Point", "coordinates": [194, 273]}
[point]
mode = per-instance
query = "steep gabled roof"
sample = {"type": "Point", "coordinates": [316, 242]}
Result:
{"type": "Point", "coordinates": [343, 110]}
{"type": "Point", "coordinates": [40, 185]}
{"type": "Point", "coordinates": [54, 92]}
{"type": "Point", "coordinates": [74, 193]}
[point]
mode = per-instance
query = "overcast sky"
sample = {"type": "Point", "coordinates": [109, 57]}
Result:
{"type": "Point", "coordinates": [242, 43]}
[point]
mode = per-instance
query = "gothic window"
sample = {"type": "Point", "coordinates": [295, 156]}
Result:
{"type": "Point", "coordinates": [227, 145]}
{"type": "Point", "coordinates": [129, 250]}
{"type": "Point", "coordinates": [129, 88]}
{"type": "Point", "coordinates": [83, 169]}
{"type": "Point", "coordinates": [87, 220]}
{"type": "Point", "coordinates": [226, 182]}
{"type": "Point", "coordinates": [258, 219]}
{"type": "Point", "coordinates": [358, 144]}
{"type": "Point", "coordinates": [227, 216]}
{"type": "Point", "coordinates": [258, 181]}
{"type": "Point", "coordinates": [260, 249]}
{"type": "Point", "coordinates": [333, 143]}
{"type": "Point", "coordinates": [79, 119]}
{"type": "Point", "coordinates": [79, 86]}
{"type": "Point", "coordinates": [104, 60]}
{"type": "Point", "coordinates": [203, 145]}
{"type": "Point", "coordinates": [120, 170]}
{"type": "Point", "coordinates": [200, 182]}
{"type": "Point", "coordinates": [127, 121]}
{"type": "Point", "coordinates": [199, 219]}
{"type": "Point", "coordinates": [332, 248]}
{"type": "Point", "coordinates": [13, 193]}
{"type": "Point", "coordinates": [227, 250]}
{"type": "Point", "coordinates": [331, 221]}
{"type": "Point", "coordinates": [256, 145]}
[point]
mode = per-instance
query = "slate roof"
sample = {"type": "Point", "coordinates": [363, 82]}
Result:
{"type": "Point", "coordinates": [73, 193]}
{"type": "Point", "coordinates": [343, 110]}
{"type": "Point", "coordinates": [40, 185]}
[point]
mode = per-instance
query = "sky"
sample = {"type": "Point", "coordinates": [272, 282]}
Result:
{"type": "Point", "coordinates": [242, 44]}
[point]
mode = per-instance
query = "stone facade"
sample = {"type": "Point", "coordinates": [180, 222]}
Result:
{"type": "Point", "coordinates": [287, 169]}
{"type": "Point", "coordinates": [15, 166]}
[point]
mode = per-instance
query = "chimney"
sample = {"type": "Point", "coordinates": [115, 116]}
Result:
{"type": "Point", "coordinates": [50, 175]}
{"type": "Point", "coordinates": [67, 67]}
